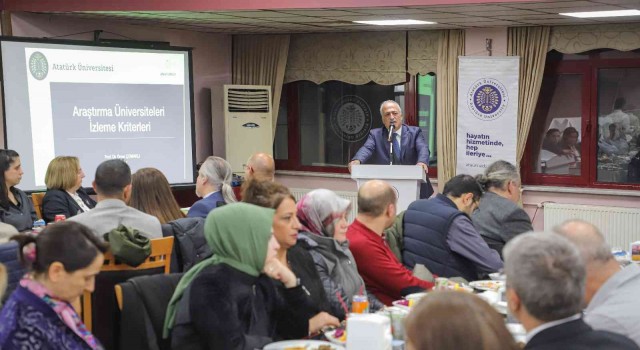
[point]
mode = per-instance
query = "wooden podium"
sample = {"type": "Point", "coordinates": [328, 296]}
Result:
{"type": "Point", "coordinates": [405, 180]}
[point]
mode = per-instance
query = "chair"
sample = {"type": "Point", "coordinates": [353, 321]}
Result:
{"type": "Point", "coordinates": [112, 273]}
{"type": "Point", "coordinates": [36, 198]}
{"type": "Point", "coordinates": [143, 302]}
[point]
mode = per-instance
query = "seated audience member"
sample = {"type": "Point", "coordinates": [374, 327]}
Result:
{"type": "Point", "coordinates": [230, 301]}
{"type": "Point", "coordinates": [323, 216]}
{"type": "Point", "coordinates": [260, 166]}
{"type": "Point", "coordinates": [213, 185]}
{"type": "Point", "coordinates": [15, 207]}
{"type": "Point", "coordinates": [611, 293]}
{"type": "Point", "coordinates": [551, 141]}
{"type": "Point", "coordinates": [113, 188]}
{"type": "Point", "coordinates": [273, 195]}
{"type": "Point", "coordinates": [63, 261]}
{"type": "Point", "coordinates": [6, 232]}
{"type": "Point", "coordinates": [439, 234]}
{"type": "Point", "coordinates": [151, 194]}
{"type": "Point", "coordinates": [383, 274]}
{"type": "Point", "coordinates": [499, 218]}
{"type": "Point", "coordinates": [569, 143]}
{"type": "Point", "coordinates": [545, 292]}
{"type": "Point", "coordinates": [450, 320]}
{"type": "Point", "coordinates": [65, 195]}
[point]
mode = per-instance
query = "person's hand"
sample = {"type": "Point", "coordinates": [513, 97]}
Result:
{"type": "Point", "coordinates": [353, 162]}
{"type": "Point", "coordinates": [424, 167]}
{"type": "Point", "coordinates": [279, 272]}
{"type": "Point", "coordinates": [321, 320]}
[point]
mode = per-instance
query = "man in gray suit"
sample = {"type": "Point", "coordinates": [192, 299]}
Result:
{"type": "Point", "coordinates": [499, 218]}
{"type": "Point", "coordinates": [113, 187]}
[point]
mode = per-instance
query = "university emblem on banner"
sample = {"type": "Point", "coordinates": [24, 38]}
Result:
{"type": "Point", "coordinates": [487, 99]}
{"type": "Point", "coordinates": [351, 118]}
{"type": "Point", "coordinates": [38, 65]}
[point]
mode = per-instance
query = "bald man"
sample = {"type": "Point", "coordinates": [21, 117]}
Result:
{"type": "Point", "coordinates": [261, 167]}
{"type": "Point", "coordinates": [610, 291]}
{"type": "Point", "coordinates": [381, 271]}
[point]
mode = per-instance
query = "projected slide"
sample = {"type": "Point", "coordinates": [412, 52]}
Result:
{"type": "Point", "coordinates": [98, 103]}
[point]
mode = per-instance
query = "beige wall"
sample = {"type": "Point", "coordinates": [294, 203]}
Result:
{"type": "Point", "coordinates": [475, 41]}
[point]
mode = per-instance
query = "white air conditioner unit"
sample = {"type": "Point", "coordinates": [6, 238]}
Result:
{"type": "Point", "coordinates": [248, 125]}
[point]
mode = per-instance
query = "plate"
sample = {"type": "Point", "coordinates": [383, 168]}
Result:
{"type": "Point", "coordinates": [487, 285]}
{"type": "Point", "coordinates": [402, 304]}
{"type": "Point", "coordinates": [302, 345]}
{"type": "Point", "coordinates": [331, 336]}
{"type": "Point", "coordinates": [497, 276]}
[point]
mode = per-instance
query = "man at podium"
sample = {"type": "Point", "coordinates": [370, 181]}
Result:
{"type": "Point", "coordinates": [409, 146]}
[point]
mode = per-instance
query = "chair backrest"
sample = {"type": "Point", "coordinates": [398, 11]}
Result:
{"type": "Point", "coordinates": [113, 272]}
{"type": "Point", "coordinates": [15, 270]}
{"type": "Point", "coordinates": [143, 304]}
{"type": "Point", "coordinates": [36, 198]}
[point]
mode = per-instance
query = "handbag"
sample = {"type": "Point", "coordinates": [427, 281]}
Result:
{"type": "Point", "coordinates": [128, 245]}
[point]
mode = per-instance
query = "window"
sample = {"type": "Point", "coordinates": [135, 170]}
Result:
{"type": "Point", "coordinates": [426, 105]}
{"type": "Point", "coordinates": [586, 126]}
{"type": "Point", "coordinates": [321, 127]}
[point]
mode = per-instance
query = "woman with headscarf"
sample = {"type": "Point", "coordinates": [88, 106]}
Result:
{"type": "Point", "coordinates": [323, 216]}
{"type": "Point", "coordinates": [230, 300]}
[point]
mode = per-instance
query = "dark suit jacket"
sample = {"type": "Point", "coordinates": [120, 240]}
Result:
{"type": "Point", "coordinates": [57, 202]}
{"type": "Point", "coordinates": [577, 335]}
{"type": "Point", "coordinates": [202, 207]}
{"type": "Point", "coordinates": [498, 220]}
{"type": "Point", "coordinates": [413, 149]}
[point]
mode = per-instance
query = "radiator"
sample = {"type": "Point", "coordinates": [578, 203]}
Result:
{"type": "Point", "coordinates": [620, 226]}
{"type": "Point", "coordinates": [351, 196]}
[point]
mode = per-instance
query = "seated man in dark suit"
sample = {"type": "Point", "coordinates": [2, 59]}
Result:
{"type": "Point", "coordinates": [213, 185]}
{"type": "Point", "coordinates": [545, 292]}
{"type": "Point", "coordinates": [408, 142]}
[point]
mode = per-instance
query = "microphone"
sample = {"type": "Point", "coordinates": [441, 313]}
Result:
{"type": "Point", "coordinates": [392, 124]}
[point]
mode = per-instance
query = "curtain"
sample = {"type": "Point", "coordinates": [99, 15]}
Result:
{"type": "Point", "coordinates": [530, 43]}
{"type": "Point", "coordinates": [261, 60]}
{"type": "Point", "coordinates": [354, 58]}
{"type": "Point", "coordinates": [451, 45]}
{"type": "Point", "coordinates": [574, 39]}
{"type": "Point", "coordinates": [422, 51]}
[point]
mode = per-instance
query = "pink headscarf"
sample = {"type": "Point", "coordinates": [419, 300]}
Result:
{"type": "Point", "coordinates": [319, 209]}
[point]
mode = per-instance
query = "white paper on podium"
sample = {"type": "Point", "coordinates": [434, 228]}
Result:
{"type": "Point", "coordinates": [405, 180]}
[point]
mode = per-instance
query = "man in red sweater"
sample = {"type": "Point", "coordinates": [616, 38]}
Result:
{"type": "Point", "coordinates": [383, 274]}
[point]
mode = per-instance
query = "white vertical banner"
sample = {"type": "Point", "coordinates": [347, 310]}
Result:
{"type": "Point", "coordinates": [487, 112]}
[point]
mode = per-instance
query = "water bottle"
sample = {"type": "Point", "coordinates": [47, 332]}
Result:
{"type": "Point", "coordinates": [38, 226]}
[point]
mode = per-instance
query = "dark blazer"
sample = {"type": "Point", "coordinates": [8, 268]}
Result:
{"type": "Point", "coordinates": [577, 335]}
{"type": "Point", "coordinates": [413, 149]}
{"type": "Point", "coordinates": [59, 202]}
{"type": "Point", "coordinates": [498, 220]}
{"type": "Point", "coordinates": [202, 207]}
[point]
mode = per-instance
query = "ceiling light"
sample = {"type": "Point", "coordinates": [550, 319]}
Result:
{"type": "Point", "coordinates": [596, 14]}
{"type": "Point", "coordinates": [395, 22]}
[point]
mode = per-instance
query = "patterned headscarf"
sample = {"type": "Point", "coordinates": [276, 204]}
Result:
{"type": "Point", "coordinates": [319, 210]}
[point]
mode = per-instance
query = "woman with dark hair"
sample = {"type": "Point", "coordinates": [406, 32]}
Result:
{"type": "Point", "coordinates": [453, 320]}
{"type": "Point", "coordinates": [65, 195]}
{"type": "Point", "coordinates": [15, 207]}
{"type": "Point", "coordinates": [230, 301]}
{"type": "Point", "coordinates": [63, 261]}
{"type": "Point", "coordinates": [285, 228]}
{"type": "Point", "coordinates": [151, 193]}
{"type": "Point", "coordinates": [323, 215]}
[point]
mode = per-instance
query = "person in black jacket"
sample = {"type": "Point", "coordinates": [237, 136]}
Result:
{"type": "Point", "coordinates": [15, 207]}
{"type": "Point", "coordinates": [65, 195]}
{"type": "Point", "coordinates": [292, 253]}
{"type": "Point", "coordinates": [230, 301]}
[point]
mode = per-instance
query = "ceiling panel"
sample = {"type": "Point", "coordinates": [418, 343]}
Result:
{"type": "Point", "coordinates": [340, 20]}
